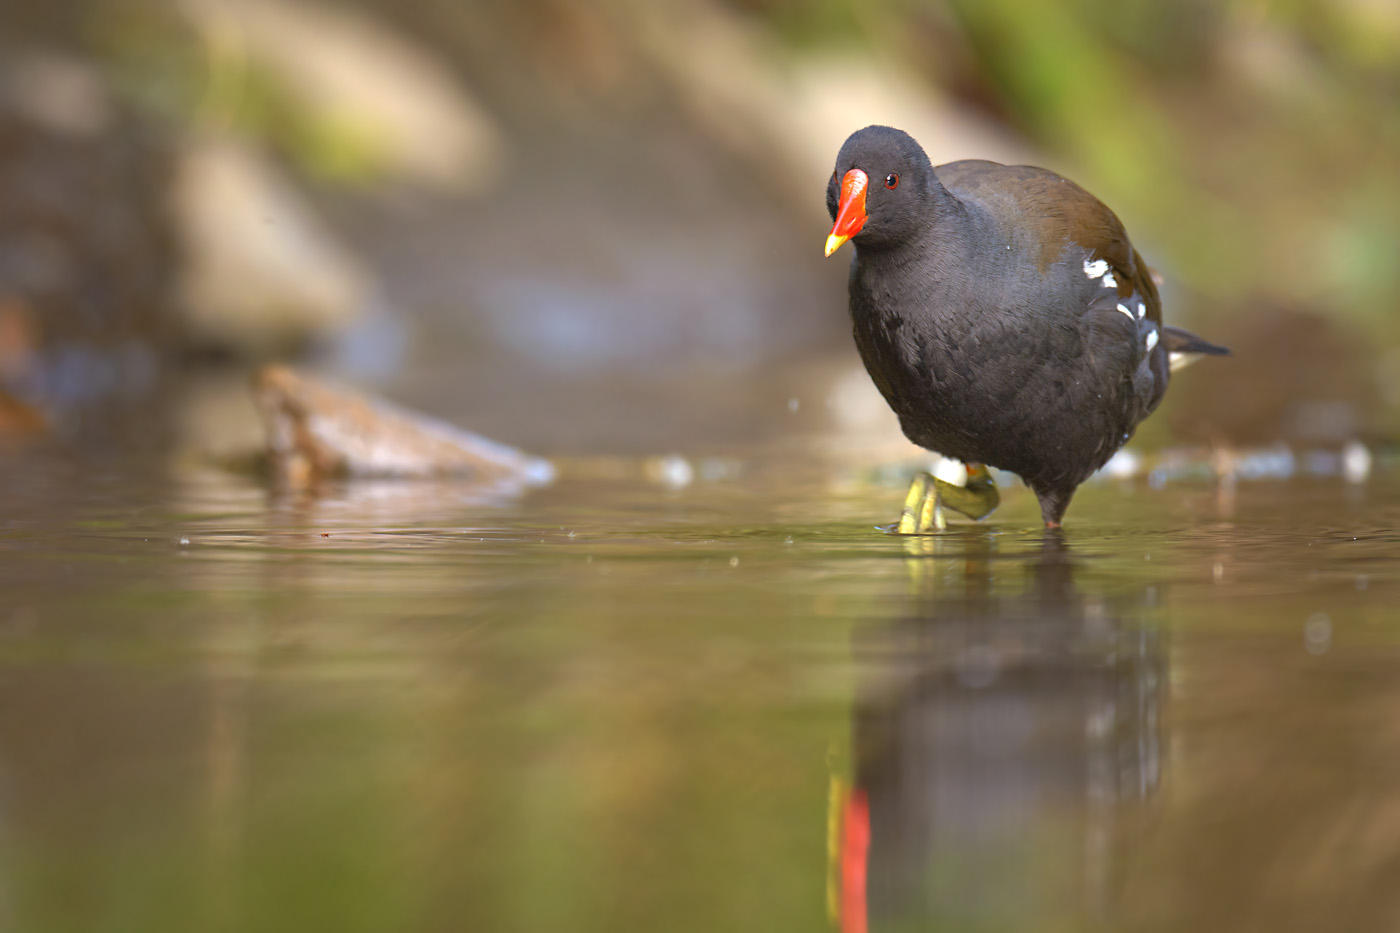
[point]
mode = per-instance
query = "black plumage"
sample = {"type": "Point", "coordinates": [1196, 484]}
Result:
{"type": "Point", "coordinates": [1001, 310]}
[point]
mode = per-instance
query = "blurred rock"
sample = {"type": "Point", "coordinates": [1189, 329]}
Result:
{"type": "Point", "coordinates": [263, 273]}
{"type": "Point", "coordinates": [793, 112]}
{"type": "Point", "coordinates": [316, 431]}
{"type": "Point", "coordinates": [61, 93]}
{"type": "Point", "coordinates": [362, 84]}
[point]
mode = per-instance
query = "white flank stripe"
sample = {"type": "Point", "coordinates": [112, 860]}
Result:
{"type": "Point", "coordinates": [1151, 339]}
{"type": "Point", "coordinates": [1109, 281]}
{"type": "Point", "coordinates": [1096, 268]}
{"type": "Point", "coordinates": [1142, 309]}
{"type": "Point", "coordinates": [1179, 360]}
{"type": "Point", "coordinates": [1124, 308]}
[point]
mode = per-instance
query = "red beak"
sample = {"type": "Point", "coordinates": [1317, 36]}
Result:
{"type": "Point", "coordinates": [850, 211]}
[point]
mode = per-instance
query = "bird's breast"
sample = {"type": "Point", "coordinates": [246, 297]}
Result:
{"type": "Point", "coordinates": [980, 365]}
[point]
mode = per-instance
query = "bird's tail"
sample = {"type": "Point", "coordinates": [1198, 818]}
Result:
{"type": "Point", "coordinates": [1185, 348]}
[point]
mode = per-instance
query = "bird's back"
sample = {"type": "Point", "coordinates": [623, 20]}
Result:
{"type": "Point", "coordinates": [1050, 210]}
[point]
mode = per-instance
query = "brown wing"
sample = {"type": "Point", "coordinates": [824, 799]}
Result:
{"type": "Point", "coordinates": [1056, 212]}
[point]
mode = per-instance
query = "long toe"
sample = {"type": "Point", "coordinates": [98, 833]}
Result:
{"type": "Point", "coordinates": [911, 516]}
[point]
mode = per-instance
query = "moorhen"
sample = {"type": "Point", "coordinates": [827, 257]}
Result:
{"type": "Point", "coordinates": [1004, 315]}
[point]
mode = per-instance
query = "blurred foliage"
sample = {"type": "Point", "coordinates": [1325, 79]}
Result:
{"type": "Point", "coordinates": [207, 80]}
{"type": "Point", "coordinates": [1250, 146]}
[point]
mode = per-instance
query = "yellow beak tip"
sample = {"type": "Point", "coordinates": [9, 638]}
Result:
{"type": "Point", "coordinates": [833, 243]}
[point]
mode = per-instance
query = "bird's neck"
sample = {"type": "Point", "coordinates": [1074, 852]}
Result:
{"type": "Point", "coordinates": [947, 223]}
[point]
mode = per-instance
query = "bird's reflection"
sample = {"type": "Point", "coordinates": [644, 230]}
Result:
{"type": "Point", "coordinates": [1001, 726]}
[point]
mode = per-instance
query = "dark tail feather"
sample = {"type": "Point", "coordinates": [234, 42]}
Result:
{"type": "Point", "coordinates": [1185, 348]}
{"type": "Point", "coordinates": [1177, 340]}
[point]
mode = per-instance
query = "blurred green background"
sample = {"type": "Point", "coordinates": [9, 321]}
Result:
{"type": "Point", "coordinates": [592, 227]}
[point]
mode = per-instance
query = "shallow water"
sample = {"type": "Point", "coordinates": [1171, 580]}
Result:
{"type": "Point", "coordinates": [612, 706]}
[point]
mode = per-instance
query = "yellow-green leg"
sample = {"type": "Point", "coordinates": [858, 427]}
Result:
{"type": "Point", "coordinates": [922, 511]}
{"type": "Point", "coordinates": [928, 496]}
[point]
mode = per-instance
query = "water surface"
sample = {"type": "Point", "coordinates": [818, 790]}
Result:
{"type": "Point", "coordinates": [612, 706]}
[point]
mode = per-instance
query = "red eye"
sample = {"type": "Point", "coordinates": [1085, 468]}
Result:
{"type": "Point", "coordinates": [891, 181]}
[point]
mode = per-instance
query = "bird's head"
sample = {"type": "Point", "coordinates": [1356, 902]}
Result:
{"type": "Point", "coordinates": [881, 189]}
